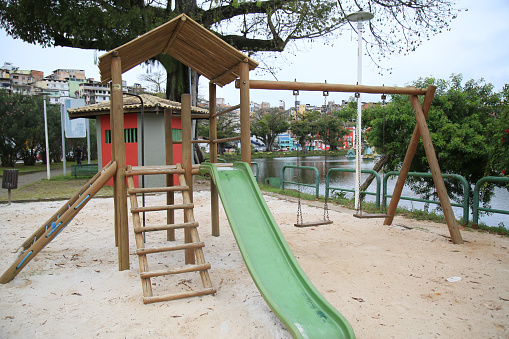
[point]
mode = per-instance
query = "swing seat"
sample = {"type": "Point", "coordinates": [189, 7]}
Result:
{"type": "Point", "coordinates": [313, 223]}
{"type": "Point", "coordinates": [371, 215]}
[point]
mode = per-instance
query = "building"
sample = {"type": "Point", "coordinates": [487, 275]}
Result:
{"type": "Point", "coordinates": [153, 121]}
{"type": "Point", "coordinates": [55, 90]}
{"type": "Point", "coordinates": [94, 92]}
{"type": "Point", "coordinates": [285, 142]}
{"type": "Point", "coordinates": [68, 74]}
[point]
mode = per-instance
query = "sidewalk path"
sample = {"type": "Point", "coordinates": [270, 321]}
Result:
{"type": "Point", "coordinates": [33, 177]}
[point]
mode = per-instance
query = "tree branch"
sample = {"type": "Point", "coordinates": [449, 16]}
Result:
{"type": "Point", "coordinates": [217, 14]}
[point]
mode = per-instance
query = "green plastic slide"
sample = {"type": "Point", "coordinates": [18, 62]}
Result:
{"type": "Point", "coordinates": [275, 271]}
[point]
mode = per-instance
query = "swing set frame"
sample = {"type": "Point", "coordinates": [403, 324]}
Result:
{"type": "Point", "coordinates": [421, 131]}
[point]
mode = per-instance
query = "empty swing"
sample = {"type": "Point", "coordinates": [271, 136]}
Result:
{"type": "Point", "coordinates": [326, 220]}
{"type": "Point", "coordinates": [359, 213]}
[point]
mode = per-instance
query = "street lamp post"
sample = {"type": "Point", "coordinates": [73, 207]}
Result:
{"type": "Point", "coordinates": [358, 17]}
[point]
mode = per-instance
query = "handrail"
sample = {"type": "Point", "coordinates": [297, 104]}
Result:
{"type": "Point", "coordinates": [377, 176]}
{"type": "Point", "coordinates": [475, 207]}
{"type": "Point", "coordinates": [466, 190]}
{"type": "Point", "coordinates": [218, 141]}
{"type": "Point", "coordinates": [317, 177]}
{"type": "Point", "coordinates": [228, 110]}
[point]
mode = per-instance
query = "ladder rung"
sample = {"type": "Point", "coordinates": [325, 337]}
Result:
{"type": "Point", "coordinates": [157, 189]}
{"type": "Point", "coordinates": [161, 208]}
{"type": "Point", "coordinates": [165, 227]}
{"type": "Point", "coordinates": [149, 250]}
{"type": "Point", "coordinates": [205, 291]}
{"type": "Point", "coordinates": [151, 170]}
{"type": "Point", "coordinates": [185, 269]}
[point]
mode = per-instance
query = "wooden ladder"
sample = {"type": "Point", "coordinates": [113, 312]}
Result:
{"type": "Point", "coordinates": [189, 224]}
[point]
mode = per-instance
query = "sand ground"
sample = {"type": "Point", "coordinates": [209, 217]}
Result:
{"type": "Point", "coordinates": [388, 281]}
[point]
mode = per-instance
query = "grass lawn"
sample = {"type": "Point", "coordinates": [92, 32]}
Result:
{"type": "Point", "coordinates": [59, 187]}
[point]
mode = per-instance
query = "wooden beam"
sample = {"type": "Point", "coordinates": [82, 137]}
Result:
{"type": "Point", "coordinates": [118, 146]}
{"type": "Point", "coordinates": [245, 132]}
{"type": "Point", "coordinates": [214, 197]}
{"type": "Point", "coordinates": [320, 87]}
{"type": "Point", "coordinates": [228, 110]}
{"type": "Point", "coordinates": [218, 141]}
{"type": "Point", "coordinates": [436, 172]}
{"type": "Point", "coordinates": [187, 163]}
{"type": "Point", "coordinates": [175, 33]}
{"type": "Point", "coordinates": [225, 73]}
{"type": "Point", "coordinates": [405, 168]}
{"type": "Point", "coordinates": [199, 141]}
{"type": "Point", "coordinates": [170, 196]}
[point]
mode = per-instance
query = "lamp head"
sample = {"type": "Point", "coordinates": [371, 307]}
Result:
{"type": "Point", "coordinates": [359, 16]}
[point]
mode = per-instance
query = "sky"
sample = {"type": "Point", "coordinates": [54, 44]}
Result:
{"type": "Point", "coordinates": [477, 46]}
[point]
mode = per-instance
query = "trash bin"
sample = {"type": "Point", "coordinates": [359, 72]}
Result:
{"type": "Point", "coordinates": [10, 179]}
{"type": "Point", "coordinates": [274, 182]}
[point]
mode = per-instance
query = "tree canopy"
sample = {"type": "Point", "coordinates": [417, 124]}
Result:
{"type": "Point", "coordinates": [267, 124]}
{"type": "Point", "coordinates": [465, 122]}
{"type": "Point", "coordinates": [248, 25]}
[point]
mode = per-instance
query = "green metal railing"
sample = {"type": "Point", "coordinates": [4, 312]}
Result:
{"type": "Point", "coordinates": [378, 184]}
{"type": "Point", "coordinates": [476, 208]}
{"type": "Point", "coordinates": [317, 177]}
{"type": "Point", "coordinates": [466, 190]}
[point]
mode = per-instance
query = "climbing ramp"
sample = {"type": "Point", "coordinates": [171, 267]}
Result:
{"type": "Point", "coordinates": [275, 271]}
{"type": "Point", "coordinates": [58, 221]}
{"type": "Point", "coordinates": [194, 245]}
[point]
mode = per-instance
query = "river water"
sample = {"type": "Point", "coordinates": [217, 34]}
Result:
{"type": "Point", "coordinates": [273, 168]}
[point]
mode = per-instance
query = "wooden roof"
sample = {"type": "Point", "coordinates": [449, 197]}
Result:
{"type": "Point", "coordinates": [151, 104]}
{"type": "Point", "coordinates": [187, 41]}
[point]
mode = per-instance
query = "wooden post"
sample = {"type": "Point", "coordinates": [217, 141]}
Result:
{"type": "Point", "coordinates": [245, 133]}
{"type": "Point", "coordinates": [118, 155]}
{"type": "Point", "coordinates": [168, 146]}
{"type": "Point", "coordinates": [435, 171]}
{"type": "Point", "coordinates": [405, 168]}
{"type": "Point", "coordinates": [187, 162]}
{"type": "Point", "coordinates": [214, 197]}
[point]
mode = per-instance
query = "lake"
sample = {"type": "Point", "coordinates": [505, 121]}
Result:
{"type": "Point", "coordinates": [273, 167]}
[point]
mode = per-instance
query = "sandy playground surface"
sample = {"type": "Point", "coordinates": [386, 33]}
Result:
{"type": "Point", "coordinates": [389, 282]}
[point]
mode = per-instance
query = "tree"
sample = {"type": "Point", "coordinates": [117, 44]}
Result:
{"type": "Point", "coordinates": [20, 128]}
{"type": "Point", "coordinates": [155, 80]}
{"type": "Point", "coordinates": [331, 129]}
{"type": "Point", "coordinates": [248, 25]}
{"type": "Point", "coordinates": [228, 125]}
{"type": "Point", "coordinates": [267, 124]}
{"type": "Point", "coordinates": [305, 127]}
{"type": "Point", "coordinates": [500, 155]}
{"type": "Point", "coordinates": [460, 121]}
{"type": "Point", "coordinates": [348, 112]}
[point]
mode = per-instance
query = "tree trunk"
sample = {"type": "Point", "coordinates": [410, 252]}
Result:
{"type": "Point", "coordinates": [377, 167]}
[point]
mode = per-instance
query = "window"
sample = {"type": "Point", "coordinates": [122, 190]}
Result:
{"type": "Point", "coordinates": [176, 134]}
{"type": "Point", "coordinates": [130, 135]}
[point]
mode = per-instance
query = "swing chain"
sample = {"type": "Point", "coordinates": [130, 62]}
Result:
{"type": "Point", "coordinates": [325, 204]}
{"type": "Point", "coordinates": [384, 150]}
{"type": "Point", "coordinates": [299, 206]}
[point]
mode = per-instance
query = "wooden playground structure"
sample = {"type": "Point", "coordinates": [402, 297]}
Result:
{"type": "Point", "coordinates": [207, 54]}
